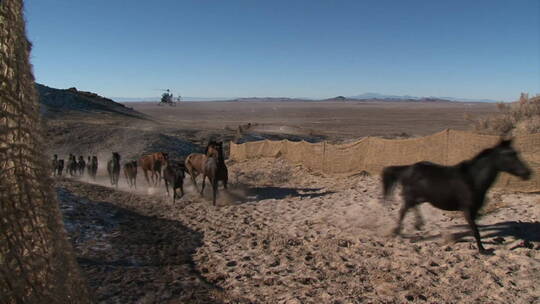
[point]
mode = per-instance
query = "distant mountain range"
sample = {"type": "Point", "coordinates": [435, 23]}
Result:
{"type": "Point", "coordinates": [401, 97]}
{"type": "Point", "coordinates": [365, 96]}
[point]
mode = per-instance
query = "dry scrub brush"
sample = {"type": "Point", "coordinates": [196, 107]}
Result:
{"type": "Point", "coordinates": [517, 118]}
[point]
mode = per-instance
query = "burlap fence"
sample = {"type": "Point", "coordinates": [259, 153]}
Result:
{"type": "Point", "coordinates": [371, 154]}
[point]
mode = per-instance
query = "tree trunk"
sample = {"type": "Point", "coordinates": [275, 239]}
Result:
{"type": "Point", "coordinates": [37, 264]}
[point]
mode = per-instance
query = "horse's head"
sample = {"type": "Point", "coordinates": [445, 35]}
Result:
{"type": "Point", "coordinates": [164, 156]}
{"type": "Point", "coordinates": [116, 156]}
{"type": "Point", "coordinates": [212, 149]}
{"type": "Point", "coordinates": [508, 160]}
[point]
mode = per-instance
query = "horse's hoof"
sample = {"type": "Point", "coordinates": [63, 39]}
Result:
{"type": "Point", "coordinates": [484, 251]}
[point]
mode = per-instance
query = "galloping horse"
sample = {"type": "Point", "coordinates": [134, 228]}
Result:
{"type": "Point", "coordinates": [54, 163]}
{"type": "Point", "coordinates": [92, 166]}
{"type": "Point", "coordinates": [81, 165]}
{"type": "Point", "coordinates": [195, 162]}
{"type": "Point", "coordinates": [215, 169]}
{"type": "Point", "coordinates": [59, 167]}
{"type": "Point", "coordinates": [173, 174]}
{"type": "Point", "coordinates": [130, 172]}
{"type": "Point", "coordinates": [72, 165]}
{"type": "Point", "coordinates": [153, 163]}
{"type": "Point", "coordinates": [113, 168]}
{"type": "Point", "coordinates": [461, 187]}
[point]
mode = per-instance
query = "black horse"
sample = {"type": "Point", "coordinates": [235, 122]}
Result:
{"type": "Point", "coordinates": [59, 167]}
{"type": "Point", "coordinates": [461, 187]}
{"type": "Point", "coordinates": [92, 167]}
{"type": "Point", "coordinates": [113, 168]}
{"type": "Point", "coordinates": [72, 166]}
{"type": "Point", "coordinates": [81, 165]}
{"type": "Point", "coordinates": [54, 164]}
{"type": "Point", "coordinates": [173, 174]}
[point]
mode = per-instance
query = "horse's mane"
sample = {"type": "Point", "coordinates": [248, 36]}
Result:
{"type": "Point", "coordinates": [484, 153]}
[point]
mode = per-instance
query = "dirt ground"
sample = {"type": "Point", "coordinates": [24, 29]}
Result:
{"type": "Point", "coordinates": [281, 234]}
{"type": "Point", "coordinates": [331, 119]}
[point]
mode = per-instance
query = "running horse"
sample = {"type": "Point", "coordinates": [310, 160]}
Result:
{"type": "Point", "coordinates": [153, 163]}
{"type": "Point", "coordinates": [461, 187]}
{"type": "Point", "coordinates": [130, 172]}
{"type": "Point", "coordinates": [113, 168]}
{"type": "Point", "coordinates": [194, 164]}
{"type": "Point", "coordinates": [211, 165]}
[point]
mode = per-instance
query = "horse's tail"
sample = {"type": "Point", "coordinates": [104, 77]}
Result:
{"type": "Point", "coordinates": [390, 177]}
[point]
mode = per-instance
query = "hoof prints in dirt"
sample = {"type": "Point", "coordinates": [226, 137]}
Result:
{"type": "Point", "coordinates": [128, 257]}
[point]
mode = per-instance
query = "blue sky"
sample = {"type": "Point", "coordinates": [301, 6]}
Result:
{"type": "Point", "coordinates": [317, 49]}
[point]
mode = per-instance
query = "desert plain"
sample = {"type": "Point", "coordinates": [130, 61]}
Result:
{"type": "Point", "coordinates": [280, 233]}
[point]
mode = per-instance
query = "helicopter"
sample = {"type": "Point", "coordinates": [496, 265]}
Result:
{"type": "Point", "coordinates": [167, 98]}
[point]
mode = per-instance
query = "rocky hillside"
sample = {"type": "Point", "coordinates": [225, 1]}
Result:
{"type": "Point", "coordinates": [57, 101]}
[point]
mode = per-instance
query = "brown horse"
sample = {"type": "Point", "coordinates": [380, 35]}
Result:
{"type": "Point", "coordinates": [153, 163]}
{"type": "Point", "coordinates": [130, 172]}
{"type": "Point", "coordinates": [195, 163]}
{"type": "Point", "coordinates": [215, 168]}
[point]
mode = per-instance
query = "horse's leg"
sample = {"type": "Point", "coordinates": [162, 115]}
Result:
{"type": "Point", "coordinates": [146, 176]}
{"type": "Point", "coordinates": [406, 206]}
{"type": "Point", "coordinates": [470, 216]}
{"type": "Point", "coordinates": [193, 175]}
{"type": "Point", "coordinates": [203, 182]}
{"type": "Point", "coordinates": [419, 220]}
{"type": "Point", "coordinates": [167, 187]}
{"type": "Point", "coordinates": [214, 188]}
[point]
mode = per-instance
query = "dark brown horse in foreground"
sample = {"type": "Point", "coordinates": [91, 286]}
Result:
{"type": "Point", "coordinates": [153, 163]}
{"type": "Point", "coordinates": [130, 173]}
{"type": "Point", "coordinates": [173, 175]}
{"type": "Point", "coordinates": [461, 187]}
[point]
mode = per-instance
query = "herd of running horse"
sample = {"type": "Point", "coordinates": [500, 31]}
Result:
{"type": "Point", "coordinates": [461, 187]}
{"type": "Point", "coordinates": [155, 166]}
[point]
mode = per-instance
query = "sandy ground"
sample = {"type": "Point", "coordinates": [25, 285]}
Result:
{"type": "Point", "coordinates": [284, 235]}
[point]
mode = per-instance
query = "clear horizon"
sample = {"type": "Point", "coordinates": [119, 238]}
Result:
{"type": "Point", "coordinates": [309, 49]}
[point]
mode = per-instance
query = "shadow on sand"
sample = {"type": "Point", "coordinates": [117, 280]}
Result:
{"type": "Point", "coordinates": [526, 231]}
{"type": "Point", "coordinates": [127, 257]}
{"type": "Point", "coordinates": [263, 193]}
